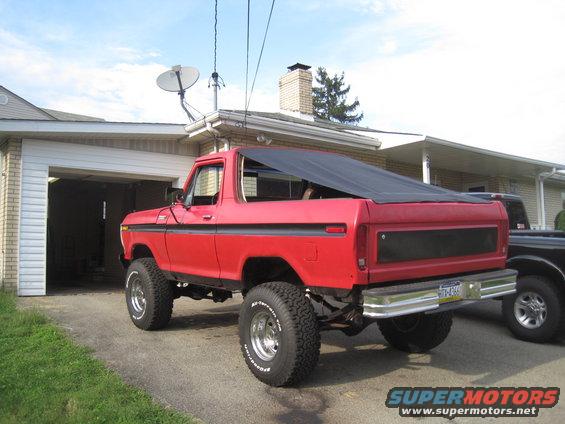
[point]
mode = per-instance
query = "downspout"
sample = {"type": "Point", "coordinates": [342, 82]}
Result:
{"type": "Point", "coordinates": [540, 178]}
{"type": "Point", "coordinates": [217, 137]}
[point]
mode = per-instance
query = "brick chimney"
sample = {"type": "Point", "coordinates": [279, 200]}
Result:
{"type": "Point", "coordinates": [295, 91]}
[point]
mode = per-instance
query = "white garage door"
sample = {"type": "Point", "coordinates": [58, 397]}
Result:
{"type": "Point", "coordinates": [38, 156]}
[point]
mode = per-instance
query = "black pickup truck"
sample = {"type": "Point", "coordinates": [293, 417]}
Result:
{"type": "Point", "coordinates": [536, 312]}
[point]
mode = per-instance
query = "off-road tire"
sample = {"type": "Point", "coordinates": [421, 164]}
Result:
{"type": "Point", "coordinates": [418, 332]}
{"type": "Point", "coordinates": [158, 293]}
{"type": "Point", "coordinates": [294, 319]}
{"type": "Point", "coordinates": [554, 298]}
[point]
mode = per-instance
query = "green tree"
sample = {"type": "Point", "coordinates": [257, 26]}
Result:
{"type": "Point", "coordinates": [330, 99]}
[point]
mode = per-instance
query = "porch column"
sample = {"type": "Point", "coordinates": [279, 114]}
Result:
{"type": "Point", "coordinates": [540, 201]}
{"type": "Point", "coordinates": [426, 163]}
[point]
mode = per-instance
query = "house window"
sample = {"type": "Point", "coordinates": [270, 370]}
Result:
{"type": "Point", "coordinates": [478, 187]}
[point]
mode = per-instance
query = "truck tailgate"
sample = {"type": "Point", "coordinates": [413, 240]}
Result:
{"type": "Point", "coordinates": [419, 240]}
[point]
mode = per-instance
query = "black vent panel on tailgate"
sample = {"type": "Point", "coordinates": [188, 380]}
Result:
{"type": "Point", "coordinates": [397, 246]}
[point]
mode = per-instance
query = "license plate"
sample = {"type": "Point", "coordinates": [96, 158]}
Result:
{"type": "Point", "coordinates": [450, 292]}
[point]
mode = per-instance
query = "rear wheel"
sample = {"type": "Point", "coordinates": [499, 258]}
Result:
{"type": "Point", "coordinates": [149, 295]}
{"type": "Point", "coordinates": [535, 313]}
{"type": "Point", "coordinates": [416, 332]}
{"type": "Point", "coordinates": [279, 334]}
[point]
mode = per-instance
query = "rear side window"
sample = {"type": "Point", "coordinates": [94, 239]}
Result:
{"type": "Point", "coordinates": [261, 183]}
{"type": "Point", "coordinates": [204, 188]}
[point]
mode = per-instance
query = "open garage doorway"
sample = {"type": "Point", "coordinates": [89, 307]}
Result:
{"type": "Point", "coordinates": [83, 238]}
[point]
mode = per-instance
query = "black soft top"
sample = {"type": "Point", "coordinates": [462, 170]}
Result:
{"type": "Point", "coordinates": [353, 177]}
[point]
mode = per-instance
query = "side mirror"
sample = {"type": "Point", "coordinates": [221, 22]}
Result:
{"type": "Point", "coordinates": [174, 195]}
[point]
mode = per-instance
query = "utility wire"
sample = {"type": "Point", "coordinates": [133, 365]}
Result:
{"type": "Point", "coordinates": [247, 64]}
{"type": "Point", "coordinates": [260, 56]}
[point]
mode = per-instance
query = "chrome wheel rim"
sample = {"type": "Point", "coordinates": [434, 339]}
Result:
{"type": "Point", "coordinates": [264, 336]}
{"type": "Point", "coordinates": [138, 300]}
{"type": "Point", "coordinates": [530, 310]}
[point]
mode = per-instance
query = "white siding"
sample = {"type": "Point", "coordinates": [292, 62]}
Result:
{"type": "Point", "coordinates": [38, 156]}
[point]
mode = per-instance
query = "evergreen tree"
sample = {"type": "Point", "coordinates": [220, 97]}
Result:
{"type": "Point", "coordinates": [330, 99]}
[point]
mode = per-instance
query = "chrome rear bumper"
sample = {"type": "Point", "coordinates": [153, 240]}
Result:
{"type": "Point", "coordinates": [410, 298]}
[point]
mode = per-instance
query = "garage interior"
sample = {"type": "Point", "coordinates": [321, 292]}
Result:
{"type": "Point", "coordinates": [84, 215]}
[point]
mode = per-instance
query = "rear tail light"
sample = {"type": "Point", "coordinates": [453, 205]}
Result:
{"type": "Point", "coordinates": [361, 246]}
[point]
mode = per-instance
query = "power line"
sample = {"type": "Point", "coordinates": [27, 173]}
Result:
{"type": "Point", "coordinates": [247, 63]}
{"type": "Point", "coordinates": [260, 56]}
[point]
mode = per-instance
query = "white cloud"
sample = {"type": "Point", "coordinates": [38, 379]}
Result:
{"type": "Point", "coordinates": [489, 74]}
{"type": "Point", "coordinates": [388, 46]}
{"type": "Point", "coordinates": [124, 91]}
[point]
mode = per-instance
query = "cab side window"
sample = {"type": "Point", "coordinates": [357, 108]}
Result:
{"type": "Point", "coordinates": [204, 188]}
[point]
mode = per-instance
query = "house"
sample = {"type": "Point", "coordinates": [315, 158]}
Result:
{"type": "Point", "coordinates": [68, 179]}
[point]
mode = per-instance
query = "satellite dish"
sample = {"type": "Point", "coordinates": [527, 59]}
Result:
{"type": "Point", "coordinates": [179, 78]}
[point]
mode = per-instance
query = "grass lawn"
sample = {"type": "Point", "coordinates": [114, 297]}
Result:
{"type": "Point", "coordinates": [46, 378]}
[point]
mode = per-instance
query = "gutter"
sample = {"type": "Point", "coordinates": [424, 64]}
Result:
{"type": "Point", "coordinates": [22, 127]}
{"type": "Point", "coordinates": [274, 126]}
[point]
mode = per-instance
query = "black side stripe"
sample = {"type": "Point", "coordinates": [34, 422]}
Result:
{"type": "Point", "coordinates": [145, 228]}
{"type": "Point", "coordinates": [297, 230]}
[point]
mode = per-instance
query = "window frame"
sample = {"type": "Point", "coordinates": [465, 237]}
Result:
{"type": "Point", "coordinates": [191, 186]}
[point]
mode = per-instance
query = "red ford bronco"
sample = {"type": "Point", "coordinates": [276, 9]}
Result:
{"type": "Point", "coordinates": [314, 241]}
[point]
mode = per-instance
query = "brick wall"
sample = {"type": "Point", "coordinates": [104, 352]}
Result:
{"type": "Point", "coordinates": [10, 152]}
{"type": "Point", "coordinates": [452, 180]}
{"type": "Point", "coordinates": [406, 169]}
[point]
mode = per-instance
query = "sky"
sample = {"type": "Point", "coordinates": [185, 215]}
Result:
{"type": "Point", "coordinates": [485, 73]}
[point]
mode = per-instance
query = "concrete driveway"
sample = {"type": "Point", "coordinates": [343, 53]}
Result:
{"type": "Point", "coordinates": [195, 365]}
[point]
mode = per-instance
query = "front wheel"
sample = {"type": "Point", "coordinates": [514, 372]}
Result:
{"type": "Point", "coordinates": [416, 333]}
{"type": "Point", "coordinates": [279, 334]}
{"type": "Point", "coordinates": [535, 312]}
{"type": "Point", "coordinates": [149, 295]}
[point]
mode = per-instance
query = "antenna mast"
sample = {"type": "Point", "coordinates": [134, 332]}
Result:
{"type": "Point", "coordinates": [215, 79]}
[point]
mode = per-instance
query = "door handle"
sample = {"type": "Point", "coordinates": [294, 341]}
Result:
{"type": "Point", "coordinates": [207, 217]}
